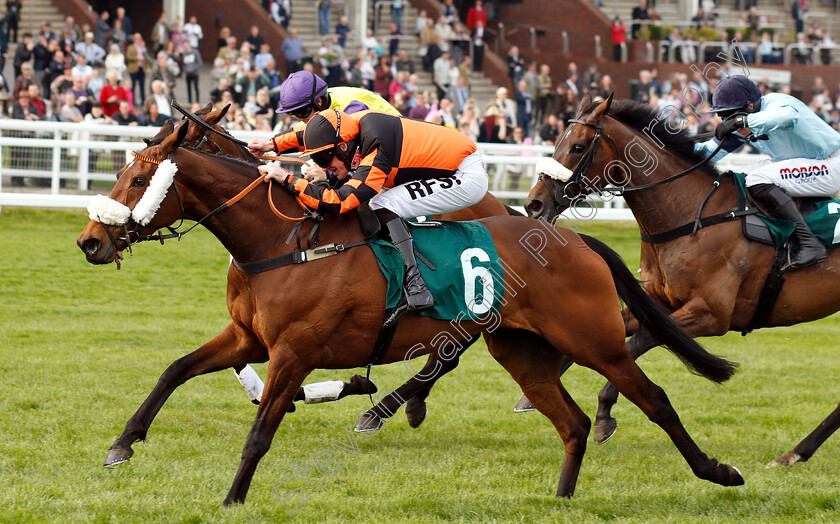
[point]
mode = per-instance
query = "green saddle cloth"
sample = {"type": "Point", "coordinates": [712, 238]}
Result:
{"type": "Point", "coordinates": [468, 278]}
{"type": "Point", "coordinates": [823, 221]}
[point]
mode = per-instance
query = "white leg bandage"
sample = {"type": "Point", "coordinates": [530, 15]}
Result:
{"type": "Point", "coordinates": [251, 382]}
{"type": "Point", "coordinates": [323, 391]}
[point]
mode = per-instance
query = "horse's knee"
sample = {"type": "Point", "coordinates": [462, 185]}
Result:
{"type": "Point", "coordinates": [255, 447]}
{"type": "Point", "coordinates": [577, 435]}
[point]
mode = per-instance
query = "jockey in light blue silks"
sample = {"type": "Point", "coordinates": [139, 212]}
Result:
{"type": "Point", "coordinates": [804, 153]}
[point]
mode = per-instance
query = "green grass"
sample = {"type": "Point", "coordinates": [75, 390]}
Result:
{"type": "Point", "coordinates": [82, 346]}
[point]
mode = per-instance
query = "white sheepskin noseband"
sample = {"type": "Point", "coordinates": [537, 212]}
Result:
{"type": "Point", "coordinates": [113, 213]}
{"type": "Point", "coordinates": [553, 169]}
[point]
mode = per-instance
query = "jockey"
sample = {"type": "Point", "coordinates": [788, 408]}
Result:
{"type": "Point", "coordinates": [804, 153]}
{"type": "Point", "coordinates": [403, 168]}
{"type": "Point", "coordinates": [302, 95]}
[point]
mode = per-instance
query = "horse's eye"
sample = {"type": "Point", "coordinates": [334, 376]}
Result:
{"type": "Point", "coordinates": [577, 148]}
{"type": "Point", "coordinates": [138, 182]}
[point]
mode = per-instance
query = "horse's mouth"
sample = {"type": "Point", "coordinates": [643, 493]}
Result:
{"type": "Point", "coordinates": [102, 256]}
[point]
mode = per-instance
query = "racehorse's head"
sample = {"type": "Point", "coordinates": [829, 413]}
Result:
{"type": "Point", "coordinates": [580, 162]}
{"type": "Point", "coordinates": [197, 135]}
{"type": "Point", "coordinates": [140, 203]}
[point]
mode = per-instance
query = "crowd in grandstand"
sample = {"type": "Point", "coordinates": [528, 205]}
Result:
{"type": "Point", "coordinates": [111, 74]}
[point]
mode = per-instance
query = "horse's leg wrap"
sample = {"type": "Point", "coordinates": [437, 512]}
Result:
{"type": "Point", "coordinates": [249, 379]}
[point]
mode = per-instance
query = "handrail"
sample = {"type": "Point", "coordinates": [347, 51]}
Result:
{"type": "Point", "coordinates": [623, 54]}
{"type": "Point", "coordinates": [599, 53]}
{"type": "Point", "coordinates": [533, 34]}
{"type": "Point", "coordinates": [701, 52]}
{"type": "Point", "coordinates": [649, 52]}
{"type": "Point", "coordinates": [565, 37]}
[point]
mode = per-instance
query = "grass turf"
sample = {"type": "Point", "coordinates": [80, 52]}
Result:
{"type": "Point", "coordinates": [82, 346]}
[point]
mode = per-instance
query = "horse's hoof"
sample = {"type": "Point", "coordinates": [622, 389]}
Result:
{"type": "Point", "coordinates": [415, 413]}
{"type": "Point", "coordinates": [605, 431]}
{"type": "Point", "coordinates": [735, 477]}
{"type": "Point", "coordinates": [368, 422]}
{"type": "Point", "coordinates": [117, 456]}
{"type": "Point", "coordinates": [523, 405]}
{"type": "Point", "coordinates": [788, 459]}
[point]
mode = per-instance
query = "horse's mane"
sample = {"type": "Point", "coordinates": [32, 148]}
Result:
{"type": "Point", "coordinates": [224, 158]}
{"type": "Point", "coordinates": [638, 116]}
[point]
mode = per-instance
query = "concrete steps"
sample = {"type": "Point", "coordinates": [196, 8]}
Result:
{"type": "Point", "coordinates": [34, 13]}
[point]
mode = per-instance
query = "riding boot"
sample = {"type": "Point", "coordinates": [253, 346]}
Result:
{"type": "Point", "coordinates": [780, 205]}
{"type": "Point", "coordinates": [417, 295]}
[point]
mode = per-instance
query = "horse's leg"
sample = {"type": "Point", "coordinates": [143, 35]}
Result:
{"type": "Point", "coordinates": [524, 405]}
{"type": "Point", "coordinates": [614, 362]}
{"type": "Point", "coordinates": [805, 449]}
{"type": "Point", "coordinates": [229, 348]}
{"type": "Point", "coordinates": [415, 391]}
{"type": "Point", "coordinates": [605, 424]}
{"type": "Point", "coordinates": [535, 366]}
{"type": "Point", "coordinates": [250, 380]}
{"type": "Point", "coordinates": [285, 375]}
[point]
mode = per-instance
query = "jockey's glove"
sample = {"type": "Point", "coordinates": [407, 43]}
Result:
{"type": "Point", "coordinates": [729, 126]}
{"type": "Point", "coordinates": [288, 183]}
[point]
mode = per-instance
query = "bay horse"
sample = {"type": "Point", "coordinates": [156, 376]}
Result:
{"type": "Point", "coordinates": [711, 280]}
{"type": "Point", "coordinates": [301, 323]}
{"type": "Point", "coordinates": [413, 392]}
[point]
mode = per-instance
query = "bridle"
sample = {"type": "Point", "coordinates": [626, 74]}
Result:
{"type": "Point", "coordinates": [578, 178]}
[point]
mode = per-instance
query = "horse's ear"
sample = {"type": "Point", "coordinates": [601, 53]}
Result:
{"type": "Point", "coordinates": [601, 109]}
{"type": "Point", "coordinates": [173, 140]}
{"type": "Point", "coordinates": [223, 113]}
{"type": "Point", "coordinates": [584, 102]}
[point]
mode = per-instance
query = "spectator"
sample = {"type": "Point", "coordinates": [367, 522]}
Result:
{"type": "Point", "coordinates": [370, 42]}
{"type": "Point", "coordinates": [324, 16]}
{"type": "Point", "coordinates": [160, 34]}
{"type": "Point", "coordinates": [421, 110]}
{"type": "Point", "coordinates": [69, 111]}
{"type": "Point", "coordinates": [428, 48]}
{"type": "Point", "coordinates": [255, 39]}
{"type": "Point", "coordinates": [261, 59]}
{"type": "Point", "coordinates": [524, 106]}
{"type": "Point", "coordinates": [797, 12]}
{"type": "Point", "coordinates": [138, 62]}
{"type": "Point", "coordinates": [81, 68]}
{"type": "Point", "coordinates": [41, 58]}
{"type": "Point", "coordinates": [248, 85]}
{"type": "Point", "coordinates": [96, 116]}
{"type": "Point", "coordinates": [448, 12]}
{"type": "Point", "coordinates": [514, 65]}
{"type": "Point", "coordinates": [22, 110]}
{"type": "Point", "coordinates": [191, 59]}
{"type": "Point", "coordinates": [331, 55]}
{"type": "Point", "coordinates": [39, 103]}
{"type": "Point", "coordinates": [13, 8]}
{"type": "Point", "coordinates": [292, 48]}
{"type": "Point", "coordinates": [506, 106]}
{"type": "Point", "coordinates": [342, 29]}
{"type": "Point", "coordinates": [177, 39]}
{"type": "Point", "coordinates": [55, 69]}
{"type": "Point", "coordinates": [125, 21]}
{"type": "Point", "coordinates": [397, 85]}
{"type": "Point", "coordinates": [478, 47]}
{"type": "Point", "coordinates": [82, 95]}
{"type": "Point", "coordinates": [460, 94]}
{"type": "Point", "coordinates": [441, 74]}
{"type": "Point", "coordinates": [94, 82]}
{"type": "Point", "coordinates": [769, 54]}
{"type": "Point", "coordinates": [639, 15]}
{"type": "Point", "coordinates": [194, 32]}
{"type": "Point", "coordinates": [218, 94]}
{"type": "Point", "coordinates": [111, 95]}
{"type": "Point", "coordinates": [118, 35]}
{"type": "Point", "coordinates": [275, 79]}
{"type": "Point", "coordinates": [70, 31]}
{"type": "Point", "coordinates": [548, 131]}
{"type": "Point", "coordinates": [166, 70]}
{"type": "Point", "coordinates": [494, 128]}
{"type": "Point", "coordinates": [278, 13]}
{"type": "Point", "coordinates": [102, 29]}
{"type": "Point", "coordinates": [404, 63]}
{"type": "Point", "coordinates": [444, 33]}
{"type": "Point", "coordinates": [545, 94]}
{"type": "Point", "coordinates": [396, 13]}
{"type": "Point", "coordinates": [89, 49]}
{"type": "Point", "coordinates": [619, 37]}
{"type": "Point", "coordinates": [115, 61]}
{"type": "Point", "coordinates": [382, 80]}
{"type": "Point", "coordinates": [124, 116]}
{"type": "Point", "coordinates": [475, 14]}
{"type": "Point", "coordinates": [420, 22]}
{"type": "Point", "coordinates": [222, 40]}
{"type": "Point", "coordinates": [46, 30]}
{"type": "Point", "coordinates": [25, 79]}
{"type": "Point", "coordinates": [394, 43]}
{"type": "Point", "coordinates": [154, 117]}
{"type": "Point", "coordinates": [23, 53]}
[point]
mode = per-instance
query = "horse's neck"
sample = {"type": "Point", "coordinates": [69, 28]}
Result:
{"type": "Point", "coordinates": [675, 203]}
{"type": "Point", "coordinates": [248, 229]}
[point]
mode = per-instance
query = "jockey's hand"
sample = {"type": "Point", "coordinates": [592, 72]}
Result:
{"type": "Point", "coordinates": [257, 146]}
{"type": "Point", "coordinates": [729, 126]}
{"type": "Point", "coordinates": [271, 171]}
{"type": "Point", "coordinates": [313, 173]}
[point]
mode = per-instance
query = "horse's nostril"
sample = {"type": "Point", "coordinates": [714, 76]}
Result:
{"type": "Point", "coordinates": [90, 246]}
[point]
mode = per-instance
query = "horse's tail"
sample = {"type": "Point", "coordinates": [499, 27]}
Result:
{"type": "Point", "coordinates": [652, 316]}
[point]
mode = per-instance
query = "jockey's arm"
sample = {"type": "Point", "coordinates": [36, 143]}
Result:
{"type": "Point", "coordinates": [365, 183]}
{"type": "Point", "coordinates": [762, 122]}
{"type": "Point", "coordinates": [706, 148]}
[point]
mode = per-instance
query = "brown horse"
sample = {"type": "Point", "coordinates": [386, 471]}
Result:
{"type": "Point", "coordinates": [302, 323]}
{"type": "Point", "coordinates": [711, 281]}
